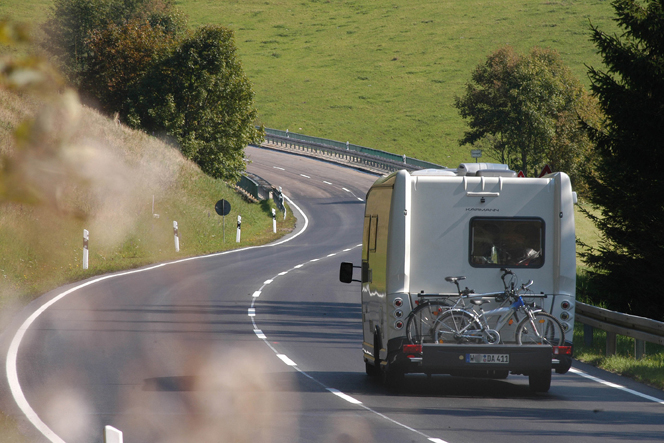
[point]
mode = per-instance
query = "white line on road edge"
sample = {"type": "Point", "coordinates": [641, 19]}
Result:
{"type": "Point", "coordinates": [437, 440]}
{"type": "Point", "coordinates": [12, 353]}
{"type": "Point", "coordinates": [277, 167]}
{"type": "Point", "coordinates": [327, 183]}
{"type": "Point", "coordinates": [345, 189]}
{"type": "Point", "coordinates": [256, 294]}
{"type": "Point", "coordinates": [616, 386]}
{"type": "Point", "coordinates": [305, 176]}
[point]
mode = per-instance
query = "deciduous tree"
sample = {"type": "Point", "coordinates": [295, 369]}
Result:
{"type": "Point", "coordinates": [525, 108]}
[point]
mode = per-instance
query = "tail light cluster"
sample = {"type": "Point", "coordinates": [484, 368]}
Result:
{"type": "Point", "coordinates": [398, 313]}
{"type": "Point", "coordinates": [566, 314]}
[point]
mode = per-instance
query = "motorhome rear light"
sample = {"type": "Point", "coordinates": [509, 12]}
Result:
{"type": "Point", "coordinates": [398, 313]}
{"type": "Point", "coordinates": [398, 302]}
{"type": "Point", "coordinates": [564, 315]}
{"type": "Point", "coordinates": [566, 327]}
{"type": "Point", "coordinates": [562, 350]}
{"type": "Point", "coordinates": [566, 305]}
{"type": "Point", "coordinates": [398, 324]}
{"type": "Point", "coordinates": [412, 349]}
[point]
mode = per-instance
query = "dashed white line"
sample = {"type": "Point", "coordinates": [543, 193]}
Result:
{"type": "Point", "coordinates": [314, 259]}
{"type": "Point", "coordinates": [267, 282]}
{"type": "Point", "coordinates": [298, 266]}
{"type": "Point", "coordinates": [283, 273]}
{"type": "Point", "coordinates": [346, 397]}
{"type": "Point", "coordinates": [256, 294]}
{"type": "Point", "coordinates": [327, 183]}
{"type": "Point", "coordinates": [259, 334]}
{"type": "Point", "coordinates": [345, 189]}
{"type": "Point", "coordinates": [360, 199]}
{"type": "Point", "coordinates": [437, 440]}
{"type": "Point", "coordinates": [286, 360]}
{"type": "Point", "coordinates": [252, 312]}
{"type": "Point", "coordinates": [332, 255]}
{"type": "Point", "coordinates": [277, 167]}
{"type": "Point", "coordinates": [346, 250]}
{"type": "Point", "coordinates": [305, 176]}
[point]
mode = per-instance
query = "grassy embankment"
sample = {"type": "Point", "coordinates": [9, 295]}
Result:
{"type": "Point", "coordinates": [119, 172]}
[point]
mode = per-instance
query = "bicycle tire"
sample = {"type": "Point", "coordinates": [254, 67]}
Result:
{"type": "Point", "coordinates": [547, 330]}
{"type": "Point", "coordinates": [451, 323]}
{"type": "Point", "coordinates": [421, 321]}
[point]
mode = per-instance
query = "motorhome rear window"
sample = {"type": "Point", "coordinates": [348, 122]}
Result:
{"type": "Point", "coordinates": [513, 242]}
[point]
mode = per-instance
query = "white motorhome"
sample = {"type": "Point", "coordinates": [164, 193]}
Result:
{"type": "Point", "coordinates": [475, 221]}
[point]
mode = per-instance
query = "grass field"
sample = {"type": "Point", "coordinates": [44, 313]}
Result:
{"type": "Point", "coordinates": [381, 74]}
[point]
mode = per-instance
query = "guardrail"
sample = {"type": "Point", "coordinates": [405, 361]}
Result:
{"type": "Point", "coordinates": [616, 323]}
{"type": "Point", "coordinates": [353, 153]}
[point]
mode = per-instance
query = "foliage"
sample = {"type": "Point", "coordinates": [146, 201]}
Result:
{"type": "Point", "coordinates": [138, 62]}
{"type": "Point", "coordinates": [625, 178]}
{"type": "Point", "coordinates": [71, 22]}
{"type": "Point", "coordinates": [525, 108]}
{"type": "Point", "coordinates": [200, 95]}
{"type": "Point", "coordinates": [120, 56]}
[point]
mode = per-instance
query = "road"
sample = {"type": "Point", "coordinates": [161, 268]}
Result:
{"type": "Point", "coordinates": [263, 345]}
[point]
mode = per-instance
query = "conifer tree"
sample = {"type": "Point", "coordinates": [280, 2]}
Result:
{"type": "Point", "coordinates": [626, 172]}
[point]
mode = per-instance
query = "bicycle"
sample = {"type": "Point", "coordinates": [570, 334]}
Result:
{"type": "Point", "coordinates": [421, 322]}
{"type": "Point", "coordinates": [461, 325]}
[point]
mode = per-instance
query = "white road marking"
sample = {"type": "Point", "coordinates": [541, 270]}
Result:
{"type": "Point", "coordinates": [360, 199]}
{"type": "Point", "coordinates": [332, 255]}
{"type": "Point", "coordinates": [346, 250]}
{"type": "Point", "coordinates": [283, 273]}
{"type": "Point", "coordinates": [252, 312]}
{"type": "Point", "coordinates": [327, 183]}
{"type": "Point", "coordinates": [616, 386]}
{"type": "Point", "coordinates": [298, 266]}
{"type": "Point", "coordinates": [267, 282]}
{"type": "Point", "coordinates": [345, 189]}
{"type": "Point", "coordinates": [315, 259]}
{"type": "Point", "coordinates": [305, 176]}
{"type": "Point", "coordinates": [346, 397]}
{"type": "Point", "coordinates": [259, 334]}
{"type": "Point", "coordinates": [286, 360]}
{"type": "Point", "coordinates": [256, 294]}
{"type": "Point", "coordinates": [437, 440]}
{"type": "Point", "coordinates": [277, 167]}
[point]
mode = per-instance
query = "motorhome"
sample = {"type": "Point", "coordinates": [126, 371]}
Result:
{"type": "Point", "coordinates": [473, 222]}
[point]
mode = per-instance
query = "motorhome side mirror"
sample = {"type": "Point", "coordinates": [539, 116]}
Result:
{"type": "Point", "coordinates": [346, 272]}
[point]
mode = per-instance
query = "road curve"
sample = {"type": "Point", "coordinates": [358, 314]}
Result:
{"type": "Point", "coordinates": [263, 344]}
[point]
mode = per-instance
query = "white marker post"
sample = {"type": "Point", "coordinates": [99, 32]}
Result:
{"type": "Point", "coordinates": [176, 236]}
{"type": "Point", "coordinates": [86, 238]}
{"type": "Point", "coordinates": [274, 220]}
{"type": "Point", "coordinates": [239, 228]}
{"type": "Point", "coordinates": [112, 435]}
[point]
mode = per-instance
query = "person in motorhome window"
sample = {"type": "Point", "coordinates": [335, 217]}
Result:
{"type": "Point", "coordinates": [507, 242]}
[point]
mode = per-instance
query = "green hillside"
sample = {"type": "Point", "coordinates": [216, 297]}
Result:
{"type": "Point", "coordinates": [381, 74]}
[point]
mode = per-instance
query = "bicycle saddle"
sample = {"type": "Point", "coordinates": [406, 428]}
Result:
{"type": "Point", "coordinates": [479, 301]}
{"type": "Point", "coordinates": [454, 279]}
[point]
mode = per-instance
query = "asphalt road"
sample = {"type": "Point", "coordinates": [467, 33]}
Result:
{"type": "Point", "coordinates": [263, 345]}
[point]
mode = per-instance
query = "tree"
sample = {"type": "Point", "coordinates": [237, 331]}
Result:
{"type": "Point", "coordinates": [626, 173]}
{"type": "Point", "coordinates": [200, 96]}
{"type": "Point", "coordinates": [71, 22]}
{"type": "Point", "coordinates": [524, 109]}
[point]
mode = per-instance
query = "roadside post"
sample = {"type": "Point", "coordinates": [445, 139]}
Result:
{"type": "Point", "coordinates": [274, 221]}
{"type": "Point", "coordinates": [112, 435]}
{"type": "Point", "coordinates": [239, 228]}
{"type": "Point", "coordinates": [86, 238]}
{"type": "Point", "coordinates": [476, 153]}
{"type": "Point", "coordinates": [176, 236]}
{"type": "Point", "coordinates": [223, 208]}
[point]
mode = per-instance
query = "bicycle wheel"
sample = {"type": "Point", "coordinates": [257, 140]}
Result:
{"type": "Point", "coordinates": [454, 323]}
{"type": "Point", "coordinates": [422, 320]}
{"type": "Point", "coordinates": [544, 329]}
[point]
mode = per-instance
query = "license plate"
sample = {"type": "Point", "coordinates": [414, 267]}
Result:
{"type": "Point", "coordinates": [487, 358]}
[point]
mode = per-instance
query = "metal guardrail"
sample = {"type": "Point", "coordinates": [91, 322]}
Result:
{"type": "Point", "coordinates": [348, 151]}
{"type": "Point", "coordinates": [616, 323]}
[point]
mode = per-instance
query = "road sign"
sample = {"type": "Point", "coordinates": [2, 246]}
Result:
{"type": "Point", "coordinates": [476, 153]}
{"type": "Point", "coordinates": [222, 207]}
